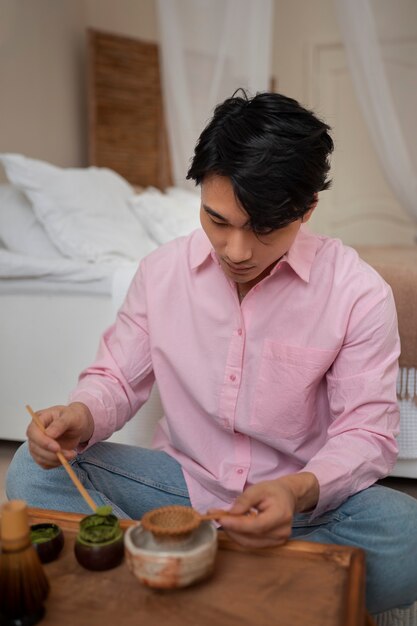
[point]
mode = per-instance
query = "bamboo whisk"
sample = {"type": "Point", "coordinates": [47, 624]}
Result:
{"type": "Point", "coordinates": [23, 584]}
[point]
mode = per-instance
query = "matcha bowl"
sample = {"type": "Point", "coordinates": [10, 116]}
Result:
{"type": "Point", "coordinates": [171, 564]}
{"type": "Point", "coordinates": [99, 543]}
{"type": "Point", "coordinates": [48, 541]}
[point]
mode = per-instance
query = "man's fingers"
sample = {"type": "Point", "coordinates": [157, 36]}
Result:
{"type": "Point", "coordinates": [45, 464]}
{"type": "Point", "coordinates": [43, 437]}
{"type": "Point", "coordinates": [40, 439]}
{"type": "Point", "coordinates": [42, 456]}
{"type": "Point", "coordinates": [255, 497]}
{"type": "Point", "coordinates": [57, 427]}
{"type": "Point", "coordinates": [55, 431]}
{"type": "Point", "coordinates": [244, 523]}
{"type": "Point", "coordinates": [248, 500]}
{"type": "Point", "coordinates": [45, 416]}
{"type": "Point", "coordinates": [264, 522]}
{"type": "Point", "coordinates": [55, 420]}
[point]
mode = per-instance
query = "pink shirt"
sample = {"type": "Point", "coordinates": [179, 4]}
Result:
{"type": "Point", "coordinates": [300, 376]}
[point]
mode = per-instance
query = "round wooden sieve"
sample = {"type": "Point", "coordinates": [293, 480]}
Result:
{"type": "Point", "coordinates": [176, 520]}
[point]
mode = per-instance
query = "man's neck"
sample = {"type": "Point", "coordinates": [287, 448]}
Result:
{"type": "Point", "coordinates": [244, 288]}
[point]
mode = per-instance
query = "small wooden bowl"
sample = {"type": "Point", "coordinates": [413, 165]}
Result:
{"type": "Point", "coordinates": [99, 557]}
{"type": "Point", "coordinates": [95, 554]}
{"type": "Point", "coordinates": [163, 565]}
{"type": "Point", "coordinates": [48, 541]}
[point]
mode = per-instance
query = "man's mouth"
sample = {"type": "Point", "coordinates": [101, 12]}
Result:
{"type": "Point", "coordinates": [239, 268]}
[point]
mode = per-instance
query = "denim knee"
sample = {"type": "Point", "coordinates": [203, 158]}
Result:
{"type": "Point", "coordinates": [383, 522]}
{"type": "Point", "coordinates": [25, 479]}
{"type": "Point", "coordinates": [19, 473]}
{"type": "Point", "coordinates": [41, 488]}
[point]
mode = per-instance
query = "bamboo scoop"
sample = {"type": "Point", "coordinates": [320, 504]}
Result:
{"type": "Point", "coordinates": [176, 521]}
{"type": "Point", "coordinates": [66, 465]}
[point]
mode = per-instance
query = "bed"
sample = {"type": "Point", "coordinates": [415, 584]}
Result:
{"type": "Point", "coordinates": [58, 292]}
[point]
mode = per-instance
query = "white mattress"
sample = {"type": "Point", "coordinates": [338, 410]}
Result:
{"type": "Point", "coordinates": [41, 286]}
{"type": "Point", "coordinates": [47, 336]}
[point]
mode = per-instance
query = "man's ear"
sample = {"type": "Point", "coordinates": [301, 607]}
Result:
{"type": "Point", "coordinates": [309, 213]}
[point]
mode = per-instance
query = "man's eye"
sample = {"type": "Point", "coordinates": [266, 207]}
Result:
{"type": "Point", "coordinates": [219, 223]}
{"type": "Point", "coordinates": [264, 231]}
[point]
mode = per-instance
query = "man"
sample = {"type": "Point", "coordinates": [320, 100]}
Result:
{"type": "Point", "coordinates": [275, 352]}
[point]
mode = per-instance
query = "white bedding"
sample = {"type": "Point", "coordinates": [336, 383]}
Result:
{"type": "Point", "coordinates": [84, 211]}
{"type": "Point", "coordinates": [13, 265]}
{"type": "Point", "coordinates": [80, 225]}
{"type": "Point", "coordinates": [22, 286]}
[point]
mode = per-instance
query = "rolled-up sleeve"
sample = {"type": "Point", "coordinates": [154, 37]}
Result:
{"type": "Point", "coordinates": [120, 380]}
{"type": "Point", "coordinates": [361, 439]}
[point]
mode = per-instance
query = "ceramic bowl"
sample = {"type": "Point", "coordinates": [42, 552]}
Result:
{"type": "Point", "coordinates": [99, 543]}
{"type": "Point", "coordinates": [48, 541]}
{"type": "Point", "coordinates": [99, 557]}
{"type": "Point", "coordinates": [169, 564]}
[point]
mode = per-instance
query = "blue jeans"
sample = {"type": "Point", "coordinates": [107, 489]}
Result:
{"type": "Point", "coordinates": [133, 480]}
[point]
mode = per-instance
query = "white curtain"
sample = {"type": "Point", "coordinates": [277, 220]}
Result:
{"type": "Point", "coordinates": [209, 48]}
{"type": "Point", "coordinates": [380, 37]}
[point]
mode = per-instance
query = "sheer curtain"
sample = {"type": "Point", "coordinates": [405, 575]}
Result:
{"type": "Point", "coordinates": [380, 37]}
{"type": "Point", "coordinates": [209, 48]}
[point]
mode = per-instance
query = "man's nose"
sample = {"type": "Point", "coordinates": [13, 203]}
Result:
{"type": "Point", "coordinates": [239, 248]}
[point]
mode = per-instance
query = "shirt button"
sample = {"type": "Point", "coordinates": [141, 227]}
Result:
{"type": "Point", "coordinates": [239, 471]}
{"type": "Point", "coordinates": [232, 377]}
{"type": "Point", "coordinates": [239, 331]}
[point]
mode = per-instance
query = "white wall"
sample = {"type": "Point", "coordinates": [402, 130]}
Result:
{"type": "Point", "coordinates": [42, 79]}
{"type": "Point", "coordinates": [42, 71]}
{"type": "Point", "coordinates": [133, 18]}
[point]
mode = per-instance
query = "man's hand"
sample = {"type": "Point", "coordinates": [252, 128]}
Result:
{"type": "Point", "coordinates": [66, 427]}
{"type": "Point", "coordinates": [275, 501]}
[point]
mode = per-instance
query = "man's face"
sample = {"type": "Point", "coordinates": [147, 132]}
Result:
{"type": "Point", "coordinates": [244, 256]}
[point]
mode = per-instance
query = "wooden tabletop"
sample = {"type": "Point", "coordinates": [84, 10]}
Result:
{"type": "Point", "coordinates": [296, 584]}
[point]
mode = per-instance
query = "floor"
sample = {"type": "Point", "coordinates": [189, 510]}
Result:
{"type": "Point", "coordinates": [7, 449]}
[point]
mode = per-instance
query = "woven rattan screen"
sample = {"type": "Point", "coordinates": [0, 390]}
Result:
{"type": "Point", "coordinates": [126, 124]}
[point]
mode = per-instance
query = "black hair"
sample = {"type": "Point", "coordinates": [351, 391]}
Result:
{"type": "Point", "coordinates": [274, 151]}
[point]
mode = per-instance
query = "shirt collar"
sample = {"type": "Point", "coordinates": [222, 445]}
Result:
{"type": "Point", "coordinates": [299, 257]}
{"type": "Point", "coordinates": [200, 248]}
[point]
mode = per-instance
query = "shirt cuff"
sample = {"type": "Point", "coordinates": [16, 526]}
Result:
{"type": "Point", "coordinates": [104, 425]}
{"type": "Point", "coordinates": [334, 489]}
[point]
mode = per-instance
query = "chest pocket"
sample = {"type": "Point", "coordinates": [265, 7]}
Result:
{"type": "Point", "coordinates": [289, 377]}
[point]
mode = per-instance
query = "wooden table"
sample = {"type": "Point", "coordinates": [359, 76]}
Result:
{"type": "Point", "coordinates": [299, 584]}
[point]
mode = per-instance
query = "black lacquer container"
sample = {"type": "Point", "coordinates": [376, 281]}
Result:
{"type": "Point", "coordinates": [48, 541]}
{"type": "Point", "coordinates": [99, 543]}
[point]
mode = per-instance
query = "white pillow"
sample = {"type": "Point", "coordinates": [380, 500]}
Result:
{"type": "Point", "coordinates": [83, 210]}
{"type": "Point", "coordinates": [20, 231]}
{"type": "Point", "coordinates": [167, 215]}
